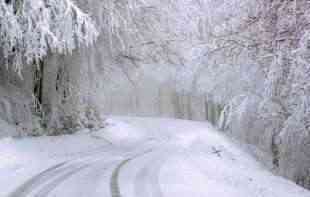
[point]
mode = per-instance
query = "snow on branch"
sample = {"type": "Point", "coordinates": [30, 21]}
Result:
{"type": "Point", "coordinates": [29, 29]}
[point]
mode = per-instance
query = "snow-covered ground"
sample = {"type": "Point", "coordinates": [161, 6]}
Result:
{"type": "Point", "coordinates": [137, 157]}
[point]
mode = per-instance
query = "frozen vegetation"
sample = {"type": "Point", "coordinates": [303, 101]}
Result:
{"type": "Point", "coordinates": [242, 65]}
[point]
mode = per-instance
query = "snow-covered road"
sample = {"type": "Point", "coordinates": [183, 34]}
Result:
{"type": "Point", "coordinates": [137, 157]}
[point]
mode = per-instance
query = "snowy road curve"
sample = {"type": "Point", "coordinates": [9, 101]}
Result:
{"type": "Point", "coordinates": [152, 158]}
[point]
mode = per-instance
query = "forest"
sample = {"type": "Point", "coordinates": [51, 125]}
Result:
{"type": "Point", "coordinates": [144, 78]}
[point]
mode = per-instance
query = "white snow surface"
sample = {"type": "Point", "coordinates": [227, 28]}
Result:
{"type": "Point", "coordinates": [137, 157]}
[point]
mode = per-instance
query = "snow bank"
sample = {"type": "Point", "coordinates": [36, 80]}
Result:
{"type": "Point", "coordinates": [120, 133]}
{"type": "Point", "coordinates": [21, 159]}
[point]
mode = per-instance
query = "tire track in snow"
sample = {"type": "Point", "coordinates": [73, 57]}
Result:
{"type": "Point", "coordinates": [115, 191]}
{"type": "Point", "coordinates": [114, 186]}
{"type": "Point", "coordinates": [147, 182]}
{"type": "Point", "coordinates": [44, 183]}
{"type": "Point", "coordinates": [89, 182]}
{"type": "Point", "coordinates": [63, 170]}
{"type": "Point", "coordinates": [43, 192]}
{"type": "Point", "coordinates": [36, 180]}
{"type": "Point", "coordinates": [48, 179]}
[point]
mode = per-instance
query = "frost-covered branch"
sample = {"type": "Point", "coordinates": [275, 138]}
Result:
{"type": "Point", "coordinates": [31, 29]}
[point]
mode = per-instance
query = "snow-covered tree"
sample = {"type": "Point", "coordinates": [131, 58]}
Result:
{"type": "Point", "coordinates": [273, 112]}
{"type": "Point", "coordinates": [31, 29]}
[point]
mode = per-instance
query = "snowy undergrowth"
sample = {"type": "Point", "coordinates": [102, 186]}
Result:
{"type": "Point", "coordinates": [6, 129]}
